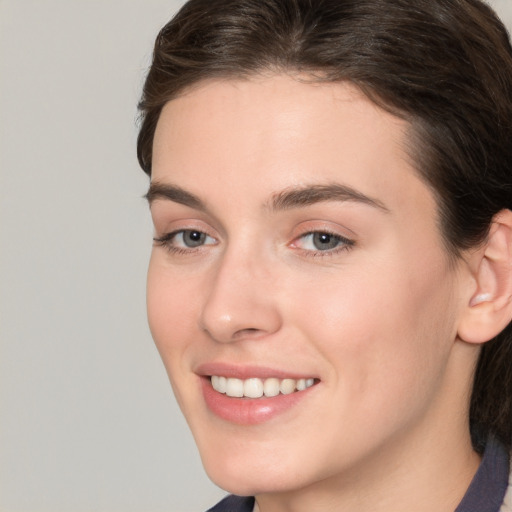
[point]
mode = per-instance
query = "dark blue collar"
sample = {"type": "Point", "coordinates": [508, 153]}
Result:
{"type": "Point", "coordinates": [485, 493]}
{"type": "Point", "coordinates": [234, 504]}
{"type": "Point", "coordinates": [489, 485]}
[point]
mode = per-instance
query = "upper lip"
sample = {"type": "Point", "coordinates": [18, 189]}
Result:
{"type": "Point", "coordinates": [247, 371]}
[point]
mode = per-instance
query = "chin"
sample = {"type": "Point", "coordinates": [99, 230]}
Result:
{"type": "Point", "coordinates": [248, 469]}
{"type": "Point", "coordinates": [252, 481]}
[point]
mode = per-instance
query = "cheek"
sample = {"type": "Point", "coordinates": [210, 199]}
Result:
{"type": "Point", "coordinates": [170, 309]}
{"type": "Point", "coordinates": [385, 332]}
{"type": "Point", "coordinates": [173, 324]}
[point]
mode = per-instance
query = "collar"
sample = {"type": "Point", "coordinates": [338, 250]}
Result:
{"type": "Point", "coordinates": [489, 485]}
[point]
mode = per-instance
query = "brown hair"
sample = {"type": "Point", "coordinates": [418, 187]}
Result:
{"type": "Point", "coordinates": [443, 65]}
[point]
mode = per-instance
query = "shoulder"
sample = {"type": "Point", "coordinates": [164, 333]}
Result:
{"type": "Point", "coordinates": [235, 504]}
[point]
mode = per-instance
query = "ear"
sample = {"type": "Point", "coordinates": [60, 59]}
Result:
{"type": "Point", "coordinates": [489, 309]}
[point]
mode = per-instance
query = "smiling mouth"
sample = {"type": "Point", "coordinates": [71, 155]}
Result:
{"type": "Point", "coordinates": [258, 388]}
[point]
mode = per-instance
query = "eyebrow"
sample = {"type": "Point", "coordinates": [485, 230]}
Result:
{"type": "Point", "coordinates": [158, 190]}
{"type": "Point", "coordinates": [287, 199]}
{"type": "Point", "coordinates": [312, 194]}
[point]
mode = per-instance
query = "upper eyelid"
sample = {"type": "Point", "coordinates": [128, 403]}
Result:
{"type": "Point", "coordinates": [168, 235]}
{"type": "Point", "coordinates": [331, 232]}
{"type": "Point", "coordinates": [318, 226]}
{"type": "Point", "coordinates": [327, 232]}
{"type": "Point", "coordinates": [164, 223]}
{"type": "Point", "coordinates": [163, 209]}
{"type": "Point", "coordinates": [168, 226]}
{"type": "Point", "coordinates": [327, 222]}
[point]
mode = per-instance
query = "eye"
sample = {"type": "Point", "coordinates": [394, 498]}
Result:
{"type": "Point", "coordinates": [185, 239]}
{"type": "Point", "coordinates": [322, 241]}
{"type": "Point", "coordinates": [191, 238]}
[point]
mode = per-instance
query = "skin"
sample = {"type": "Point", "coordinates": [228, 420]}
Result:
{"type": "Point", "coordinates": [375, 320]}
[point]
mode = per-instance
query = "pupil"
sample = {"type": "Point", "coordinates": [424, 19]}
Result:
{"type": "Point", "coordinates": [325, 241]}
{"type": "Point", "coordinates": [193, 238]}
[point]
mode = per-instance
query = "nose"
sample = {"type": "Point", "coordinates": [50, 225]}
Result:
{"type": "Point", "coordinates": [241, 302]}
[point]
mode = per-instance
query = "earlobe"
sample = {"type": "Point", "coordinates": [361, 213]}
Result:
{"type": "Point", "coordinates": [479, 298]}
{"type": "Point", "coordinates": [489, 309]}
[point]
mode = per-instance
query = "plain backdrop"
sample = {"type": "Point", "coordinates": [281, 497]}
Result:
{"type": "Point", "coordinates": [87, 418]}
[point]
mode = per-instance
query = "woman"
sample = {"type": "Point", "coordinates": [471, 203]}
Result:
{"type": "Point", "coordinates": [330, 287]}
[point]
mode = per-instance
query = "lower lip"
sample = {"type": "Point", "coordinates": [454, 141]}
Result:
{"type": "Point", "coordinates": [249, 411]}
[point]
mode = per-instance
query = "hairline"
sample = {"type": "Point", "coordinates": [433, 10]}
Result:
{"type": "Point", "coordinates": [412, 146]}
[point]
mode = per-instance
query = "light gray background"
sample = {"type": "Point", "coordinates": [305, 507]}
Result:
{"type": "Point", "coordinates": [87, 420]}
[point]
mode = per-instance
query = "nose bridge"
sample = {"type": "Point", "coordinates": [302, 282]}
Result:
{"type": "Point", "coordinates": [240, 301]}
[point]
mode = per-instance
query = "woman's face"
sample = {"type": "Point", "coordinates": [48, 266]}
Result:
{"type": "Point", "coordinates": [297, 248]}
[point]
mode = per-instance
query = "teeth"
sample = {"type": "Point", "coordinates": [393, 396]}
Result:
{"type": "Point", "coordinates": [253, 388]}
{"type": "Point", "coordinates": [256, 388]}
{"type": "Point", "coordinates": [271, 387]}
{"type": "Point", "coordinates": [287, 386]}
{"type": "Point", "coordinates": [235, 387]}
{"type": "Point", "coordinates": [219, 383]}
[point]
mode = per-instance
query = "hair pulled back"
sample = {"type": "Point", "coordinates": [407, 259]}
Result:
{"type": "Point", "coordinates": [443, 65]}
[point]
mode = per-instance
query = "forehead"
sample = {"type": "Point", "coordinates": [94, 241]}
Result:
{"type": "Point", "coordinates": [265, 134]}
{"type": "Point", "coordinates": [280, 107]}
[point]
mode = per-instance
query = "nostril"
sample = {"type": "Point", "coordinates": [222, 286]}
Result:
{"type": "Point", "coordinates": [249, 332]}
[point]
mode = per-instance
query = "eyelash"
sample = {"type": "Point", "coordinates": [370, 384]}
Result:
{"type": "Point", "coordinates": [166, 241]}
{"type": "Point", "coordinates": [345, 244]}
